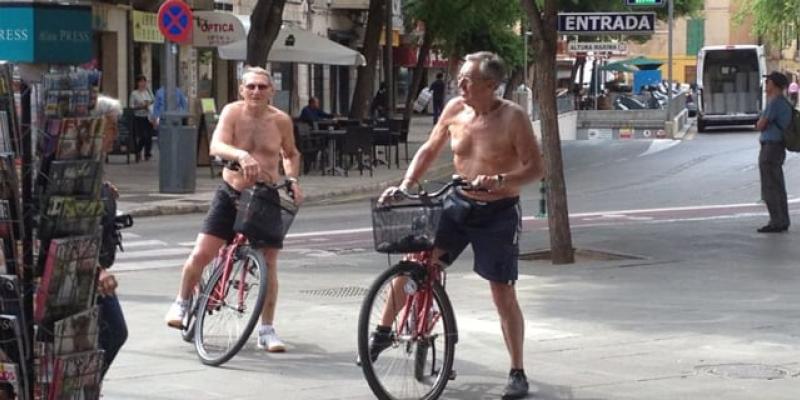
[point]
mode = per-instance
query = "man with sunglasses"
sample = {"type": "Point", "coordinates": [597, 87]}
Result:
{"type": "Point", "coordinates": [493, 146]}
{"type": "Point", "coordinates": [258, 136]}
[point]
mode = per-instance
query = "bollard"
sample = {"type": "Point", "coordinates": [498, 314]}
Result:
{"type": "Point", "coordinates": [542, 200]}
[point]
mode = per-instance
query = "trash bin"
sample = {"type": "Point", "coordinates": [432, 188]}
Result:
{"type": "Point", "coordinates": [522, 96]}
{"type": "Point", "coordinates": [177, 154]}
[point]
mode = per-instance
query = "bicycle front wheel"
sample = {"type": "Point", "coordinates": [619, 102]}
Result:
{"type": "Point", "coordinates": [230, 306]}
{"type": "Point", "coordinates": [407, 366]}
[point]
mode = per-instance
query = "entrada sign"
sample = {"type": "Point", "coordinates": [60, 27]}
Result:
{"type": "Point", "coordinates": [606, 23]}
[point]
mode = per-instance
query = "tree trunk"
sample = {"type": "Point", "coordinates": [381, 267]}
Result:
{"type": "Point", "coordinates": [544, 43]}
{"type": "Point", "coordinates": [366, 74]}
{"type": "Point", "coordinates": [419, 72]}
{"type": "Point", "coordinates": [265, 22]}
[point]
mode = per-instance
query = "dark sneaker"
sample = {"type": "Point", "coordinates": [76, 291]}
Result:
{"type": "Point", "coordinates": [517, 386]}
{"type": "Point", "coordinates": [378, 342]}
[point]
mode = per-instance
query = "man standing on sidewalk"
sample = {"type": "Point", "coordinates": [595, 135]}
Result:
{"type": "Point", "coordinates": [437, 89]}
{"type": "Point", "coordinates": [258, 136]}
{"type": "Point", "coordinates": [774, 119]}
{"type": "Point", "coordinates": [494, 147]}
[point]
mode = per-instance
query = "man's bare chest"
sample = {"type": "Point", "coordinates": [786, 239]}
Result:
{"type": "Point", "coordinates": [257, 135]}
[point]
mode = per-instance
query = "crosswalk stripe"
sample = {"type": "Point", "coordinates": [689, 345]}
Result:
{"type": "Point", "coordinates": [126, 255]}
{"type": "Point", "coordinates": [142, 243]}
{"type": "Point", "coordinates": [129, 235]}
{"type": "Point", "coordinates": [145, 265]}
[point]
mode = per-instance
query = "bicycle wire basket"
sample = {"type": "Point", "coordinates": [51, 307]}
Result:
{"type": "Point", "coordinates": [263, 215]}
{"type": "Point", "coordinates": [405, 227]}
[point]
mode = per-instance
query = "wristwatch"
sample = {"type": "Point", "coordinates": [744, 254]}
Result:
{"type": "Point", "coordinates": [293, 180]}
{"type": "Point", "coordinates": [500, 179]}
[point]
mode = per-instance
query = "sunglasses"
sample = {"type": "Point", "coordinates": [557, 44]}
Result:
{"type": "Point", "coordinates": [252, 86]}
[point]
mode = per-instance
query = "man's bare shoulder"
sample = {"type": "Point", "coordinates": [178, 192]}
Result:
{"type": "Point", "coordinates": [512, 108]}
{"type": "Point", "coordinates": [233, 108]}
{"type": "Point", "coordinates": [279, 114]}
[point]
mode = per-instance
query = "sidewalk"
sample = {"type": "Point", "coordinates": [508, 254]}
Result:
{"type": "Point", "coordinates": [139, 189]}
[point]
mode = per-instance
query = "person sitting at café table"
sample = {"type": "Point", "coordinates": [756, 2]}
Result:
{"type": "Point", "coordinates": [312, 113]}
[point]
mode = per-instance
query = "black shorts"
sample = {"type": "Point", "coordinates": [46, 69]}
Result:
{"type": "Point", "coordinates": [221, 217]}
{"type": "Point", "coordinates": [491, 227]}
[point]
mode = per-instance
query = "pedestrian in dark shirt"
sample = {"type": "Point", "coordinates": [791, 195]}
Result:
{"type": "Point", "coordinates": [312, 113]}
{"type": "Point", "coordinates": [437, 88]}
{"type": "Point", "coordinates": [380, 103]}
{"type": "Point", "coordinates": [774, 119]}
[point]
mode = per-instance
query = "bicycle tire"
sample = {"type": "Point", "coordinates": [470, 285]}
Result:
{"type": "Point", "coordinates": [209, 306]}
{"type": "Point", "coordinates": [412, 355]}
{"type": "Point", "coordinates": [187, 333]}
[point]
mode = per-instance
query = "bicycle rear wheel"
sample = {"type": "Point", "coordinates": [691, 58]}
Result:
{"type": "Point", "coordinates": [229, 308]}
{"type": "Point", "coordinates": [411, 367]}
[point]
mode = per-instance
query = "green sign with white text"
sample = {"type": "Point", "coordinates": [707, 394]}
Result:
{"type": "Point", "coordinates": [45, 33]}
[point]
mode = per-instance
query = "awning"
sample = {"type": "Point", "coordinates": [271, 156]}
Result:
{"type": "Point", "coordinates": [296, 46]}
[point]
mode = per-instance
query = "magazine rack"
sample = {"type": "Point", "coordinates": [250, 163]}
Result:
{"type": "Point", "coordinates": [50, 342]}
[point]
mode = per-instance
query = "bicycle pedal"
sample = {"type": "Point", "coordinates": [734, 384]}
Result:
{"type": "Point", "coordinates": [452, 375]}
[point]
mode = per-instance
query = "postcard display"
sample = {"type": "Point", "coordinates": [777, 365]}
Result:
{"type": "Point", "coordinates": [67, 179]}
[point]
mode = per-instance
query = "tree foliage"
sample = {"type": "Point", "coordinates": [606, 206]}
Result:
{"type": "Point", "coordinates": [771, 18]}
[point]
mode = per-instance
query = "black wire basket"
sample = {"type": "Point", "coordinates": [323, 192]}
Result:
{"type": "Point", "coordinates": [405, 227]}
{"type": "Point", "coordinates": [263, 215]}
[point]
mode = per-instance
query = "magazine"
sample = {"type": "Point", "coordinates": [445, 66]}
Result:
{"type": "Point", "coordinates": [73, 177]}
{"type": "Point", "coordinates": [77, 376]}
{"type": "Point", "coordinates": [11, 303]}
{"type": "Point", "coordinates": [76, 333]}
{"type": "Point", "coordinates": [49, 141]}
{"type": "Point", "coordinates": [80, 138]}
{"type": "Point", "coordinates": [9, 381]}
{"type": "Point", "coordinates": [7, 242]}
{"type": "Point", "coordinates": [65, 216]}
{"type": "Point", "coordinates": [6, 140]}
{"type": "Point", "coordinates": [11, 343]}
{"type": "Point", "coordinates": [68, 281]}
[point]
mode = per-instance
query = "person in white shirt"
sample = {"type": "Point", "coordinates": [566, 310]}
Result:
{"type": "Point", "coordinates": [140, 101]}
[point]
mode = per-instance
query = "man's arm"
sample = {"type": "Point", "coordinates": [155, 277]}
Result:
{"type": "Point", "coordinates": [223, 136]}
{"type": "Point", "coordinates": [291, 157]}
{"type": "Point", "coordinates": [429, 150]}
{"type": "Point", "coordinates": [766, 116]}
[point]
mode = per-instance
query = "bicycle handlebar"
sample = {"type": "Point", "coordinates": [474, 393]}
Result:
{"type": "Point", "coordinates": [456, 181]}
{"type": "Point", "coordinates": [285, 184]}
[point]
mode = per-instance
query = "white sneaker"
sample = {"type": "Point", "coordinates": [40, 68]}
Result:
{"type": "Point", "coordinates": [176, 314]}
{"type": "Point", "coordinates": [268, 340]}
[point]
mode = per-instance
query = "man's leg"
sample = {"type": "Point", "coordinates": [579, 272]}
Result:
{"type": "Point", "coordinates": [511, 320]}
{"type": "Point", "coordinates": [113, 330]}
{"type": "Point", "coordinates": [268, 311]}
{"type": "Point", "coordinates": [773, 189]}
{"type": "Point", "coordinates": [205, 249]}
{"type": "Point", "coordinates": [267, 337]}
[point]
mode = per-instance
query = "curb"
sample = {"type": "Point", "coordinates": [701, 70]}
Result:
{"type": "Point", "coordinates": [347, 195]}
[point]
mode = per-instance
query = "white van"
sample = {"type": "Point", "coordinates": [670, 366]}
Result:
{"type": "Point", "coordinates": [730, 84]}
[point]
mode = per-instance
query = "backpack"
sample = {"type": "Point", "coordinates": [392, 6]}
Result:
{"type": "Point", "coordinates": [110, 238]}
{"type": "Point", "coordinates": [791, 135]}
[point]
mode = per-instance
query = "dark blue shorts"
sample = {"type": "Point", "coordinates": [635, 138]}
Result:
{"type": "Point", "coordinates": [491, 227]}
{"type": "Point", "coordinates": [221, 217]}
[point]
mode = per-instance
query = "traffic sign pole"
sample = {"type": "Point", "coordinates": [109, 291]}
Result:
{"type": "Point", "coordinates": [670, 12]}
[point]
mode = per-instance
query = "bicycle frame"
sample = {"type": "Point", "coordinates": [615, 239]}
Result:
{"type": "Point", "coordinates": [424, 295]}
{"type": "Point", "coordinates": [226, 254]}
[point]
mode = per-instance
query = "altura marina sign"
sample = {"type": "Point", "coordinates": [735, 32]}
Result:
{"type": "Point", "coordinates": [606, 23]}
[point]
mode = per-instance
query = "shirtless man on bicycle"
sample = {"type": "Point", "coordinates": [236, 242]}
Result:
{"type": "Point", "coordinates": [256, 135]}
{"type": "Point", "coordinates": [494, 147]}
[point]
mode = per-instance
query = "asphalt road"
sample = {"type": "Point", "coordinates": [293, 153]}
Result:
{"type": "Point", "coordinates": [707, 308]}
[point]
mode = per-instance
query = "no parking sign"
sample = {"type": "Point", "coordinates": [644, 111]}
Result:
{"type": "Point", "coordinates": [175, 21]}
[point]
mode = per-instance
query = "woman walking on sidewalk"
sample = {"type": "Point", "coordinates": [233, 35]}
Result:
{"type": "Point", "coordinates": [140, 101]}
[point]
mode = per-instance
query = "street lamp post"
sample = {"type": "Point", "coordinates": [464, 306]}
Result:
{"type": "Point", "coordinates": [670, 11]}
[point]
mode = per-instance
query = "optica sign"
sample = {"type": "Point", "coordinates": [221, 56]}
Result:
{"type": "Point", "coordinates": [213, 29]}
{"type": "Point", "coordinates": [45, 33]}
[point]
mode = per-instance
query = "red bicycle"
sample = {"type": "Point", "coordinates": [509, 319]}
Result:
{"type": "Point", "coordinates": [414, 358]}
{"type": "Point", "coordinates": [228, 303]}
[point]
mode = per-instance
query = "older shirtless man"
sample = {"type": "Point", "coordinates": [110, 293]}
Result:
{"type": "Point", "coordinates": [494, 147]}
{"type": "Point", "coordinates": [258, 136]}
